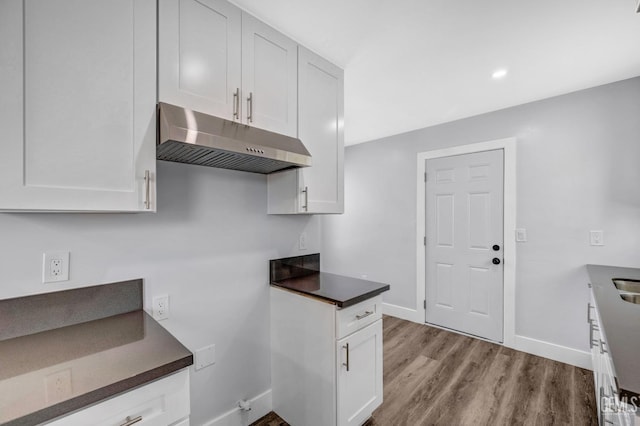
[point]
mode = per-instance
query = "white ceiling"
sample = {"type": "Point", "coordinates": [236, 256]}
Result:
{"type": "Point", "coordinates": [415, 63]}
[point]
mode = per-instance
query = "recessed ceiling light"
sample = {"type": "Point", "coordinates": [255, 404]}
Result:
{"type": "Point", "coordinates": [499, 74]}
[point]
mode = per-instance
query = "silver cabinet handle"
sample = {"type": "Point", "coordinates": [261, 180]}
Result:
{"type": "Point", "coordinates": [236, 104]}
{"type": "Point", "coordinates": [305, 191]}
{"type": "Point", "coordinates": [592, 342]}
{"type": "Point", "coordinates": [129, 421]}
{"type": "Point", "coordinates": [250, 108]}
{"type": "Point", "coordinates": [366, 314]}
{"type": "Point", "coordinates": [347, 363]}
{"type": "Point", "coordinates": [147, 183]}
{"type": "Point", "coordinates": [588, 312]}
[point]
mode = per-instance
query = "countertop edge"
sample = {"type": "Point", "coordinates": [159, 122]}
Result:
{"type": "Point", "coordinates": [89, 399]}
{"type": "Point", "coordinates": [341, 304]}
{"type": "Point", "coordinates": [363, 297]}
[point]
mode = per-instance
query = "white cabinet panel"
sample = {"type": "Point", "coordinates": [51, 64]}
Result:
{"type": "Point", "coordinates": [199, 55]}
{"type": "Point", "coordinates": [78, 105]}
{"type": "Point", "coordinates": [359, 375]}
{"type": "Point", "coordinates": [269, 78]}
{"type": "Point", "coordinates": [163, 402]}
{"type": "Point", "coordinates": [319, 188]}
{"type": "Point", "coordinates": [321, 117]}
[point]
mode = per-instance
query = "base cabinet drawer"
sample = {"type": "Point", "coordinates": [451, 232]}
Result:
{"type": "Point", "coordinates": [163, 402]}
{"type": "Point", "coordinates": [353, 318]}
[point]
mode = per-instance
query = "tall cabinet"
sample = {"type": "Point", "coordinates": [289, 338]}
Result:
{"type": "Point", "coordinates": [319, 188]}
{"type": "Point", "coordinates": [216, 59]}
{"type": "Point", "coordinates": [77, 109]}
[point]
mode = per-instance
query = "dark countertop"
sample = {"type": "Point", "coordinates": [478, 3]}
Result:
{"type": "Point", "coordinates": [620, 321]}
{"type": "Point", "coordinates": [100, 358]}
{"type": "Point", "coordinates": [340, 290]}
{"type": "Point", "coordinates": [63, 351]}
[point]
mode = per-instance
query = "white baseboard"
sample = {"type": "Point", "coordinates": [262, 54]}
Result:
{"type": "Point", "coordinates": [525, 344]}
{"type": "Point", "coordinates": [552, 351]}
{"type": "Point", "coordinates": [261, 405]}
{"type": "Point", "coordinates": [402, 313]}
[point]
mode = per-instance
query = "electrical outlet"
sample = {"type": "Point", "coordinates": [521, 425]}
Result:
{"type": "Point", "coordinates": [55, 266]}
{"type": "Point", "coordinates": [302, 241]}
{"type": "Point", "coordinates": [58, 386]}
{"type": "Point", "coordinates": [597, 238]}
{"type": "Point", "coordinates": [205, 357]}
{"type": "Point", "coordinates": [161, 307]}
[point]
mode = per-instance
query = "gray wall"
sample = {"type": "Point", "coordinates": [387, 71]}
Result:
{"type": "Point", "coordinates": [578, 169]}
{"type": "Point", "coordinates": [207, 247]}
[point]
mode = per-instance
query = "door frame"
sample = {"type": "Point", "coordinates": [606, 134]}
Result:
{"type": "Point", "coordinates": [508, 145]}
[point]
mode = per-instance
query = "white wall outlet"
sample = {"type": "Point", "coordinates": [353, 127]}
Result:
{"type": "Point", "coordinates": [55, 266]}
{"type": "Point", "coordinates": [58, 386]}
{"type": "Point", "coordinates": [521, 235]}
{"type": "Point", "coordinates": [302, 241]}
{"type": "Point", "coordinates": [161, 307]}
{"type": "Point", "coordinates": [205, 357]}
{"type": "Point", "coordinates": [597, 238]}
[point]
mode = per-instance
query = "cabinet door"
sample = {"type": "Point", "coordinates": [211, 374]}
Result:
{"type": "Point", "coordinates": [359, 358]}
{"type": "Point", "coordinates": [321, 117]}
{"type": "Point", "coordinates": [199, 56]}
{"type": "Point", "coordinates": [269, 78]}
{"type": "Point", "coordinates": [77, 109]}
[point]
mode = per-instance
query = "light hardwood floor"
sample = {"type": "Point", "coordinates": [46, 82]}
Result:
{"type": "Point", "coordinates": [436, 377]}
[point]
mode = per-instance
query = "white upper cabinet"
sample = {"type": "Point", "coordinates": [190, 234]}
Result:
{"type": "Point", "coordinates": [78, 103]}
{"type": "Point", "coordinates": [269, 78]}
{"type": "Point", "coordinates": [199, 56]}
{"type": "Point", "coordinates": [216, 59]}
{"type": "Point", "coordinates": [319, 188]}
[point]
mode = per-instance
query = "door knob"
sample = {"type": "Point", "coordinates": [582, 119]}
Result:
{"type": "Point", "coordinates": [496, 247]}
{"type": "Point", "coordinates": [496, 261]}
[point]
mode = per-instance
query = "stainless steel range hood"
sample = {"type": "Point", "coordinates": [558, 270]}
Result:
{"type": "Point", "coordinates": [187, 136]}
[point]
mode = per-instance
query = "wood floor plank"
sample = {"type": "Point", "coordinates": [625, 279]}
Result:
{"type": "Point", "coordinates": [398, 388]}
{"type": "Point", "coordinates": [437, 377]}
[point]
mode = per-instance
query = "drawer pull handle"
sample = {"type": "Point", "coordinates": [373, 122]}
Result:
{"type": "Point", "coordinates": [589, 312]}
{"type": "Point", "coordinates": [129, 421]}
{"type": "Point", "coordinates": [366, 314]}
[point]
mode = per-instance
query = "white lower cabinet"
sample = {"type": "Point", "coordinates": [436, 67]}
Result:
{"type": "Point", "coordinates": [163, 402]}
{"type": "Point", "coordinates": [359, 374]}
{"type": "Point", "coordinates": [611, 409]}
{"type": "Point", "coordinates": [326, 363]}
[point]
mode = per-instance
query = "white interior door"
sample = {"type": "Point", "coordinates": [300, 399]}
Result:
{"type": "Point", "coordinates": [464, 243]}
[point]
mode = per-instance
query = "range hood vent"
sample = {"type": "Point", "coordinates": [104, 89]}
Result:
{"type": "Point", "coordinates": [187, 136]}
